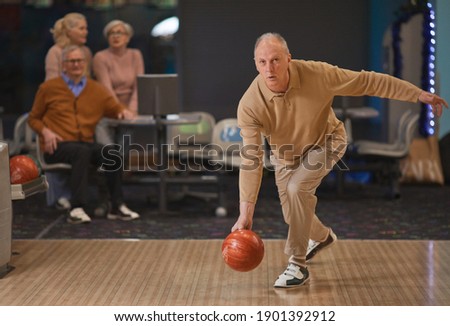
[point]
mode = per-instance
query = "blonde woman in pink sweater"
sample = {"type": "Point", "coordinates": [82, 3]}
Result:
{"type": "Point", "coordinates": [117, 67]}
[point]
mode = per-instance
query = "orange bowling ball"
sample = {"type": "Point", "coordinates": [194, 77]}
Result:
{"type": "Point", "coordinates": [243, 250]}
{"type": "Point", "coordinates": [22, 169]}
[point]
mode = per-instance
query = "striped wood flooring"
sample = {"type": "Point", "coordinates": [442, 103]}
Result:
{"type": "Point", "coordinates": [192, 272]}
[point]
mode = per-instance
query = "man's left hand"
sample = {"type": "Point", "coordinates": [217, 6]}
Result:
{"type": "Point", "coordinates": [435, 101]}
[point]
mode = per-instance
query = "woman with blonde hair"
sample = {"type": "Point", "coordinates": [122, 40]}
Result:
{"type": "Point", "coordinates": [69, 30]}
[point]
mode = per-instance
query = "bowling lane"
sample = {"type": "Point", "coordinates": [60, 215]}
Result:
{"type": "Point", "coordinates": [192, 272]}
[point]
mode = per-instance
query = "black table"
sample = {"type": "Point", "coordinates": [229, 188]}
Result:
{"type": "Point", "coordinates": [160, 123]}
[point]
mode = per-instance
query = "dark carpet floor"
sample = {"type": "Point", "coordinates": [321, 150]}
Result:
{"type": "Point", "coordinates": [362, 212]}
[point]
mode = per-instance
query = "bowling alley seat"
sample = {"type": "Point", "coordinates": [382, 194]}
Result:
{"type": "Point", "coordinates": [23, 138]}
{"type": "Point", "coordinates": [222, 156]}
{"type": "Point", "coordinates": [185, 147]}
{"type": "Point", "coordinates": [227, 143]}
{"type": "Point", "coordinates": [384, 158]}
{"type": "Point", "coordinates": [227, 137]}
{"type": "Point", "coordinates": [49, 166]}
{"type": "Point", "coordinates": [187, 141]}
{"type": "Point", "coordinates": [27, 141]}
{"type": "Point", "coordinates": [224, 153]}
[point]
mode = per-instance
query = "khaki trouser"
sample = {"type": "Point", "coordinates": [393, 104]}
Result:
{"type": "Point", "coordinates": [297, 187]}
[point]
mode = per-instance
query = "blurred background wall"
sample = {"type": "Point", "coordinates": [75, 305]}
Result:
{"type": "Point", "coordinates": [213, 50]}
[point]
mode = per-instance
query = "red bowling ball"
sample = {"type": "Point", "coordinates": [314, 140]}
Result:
{"type": "Point", "coordinates": [243, 250]}
{"type": "Point", "coordinates": [22, 169]}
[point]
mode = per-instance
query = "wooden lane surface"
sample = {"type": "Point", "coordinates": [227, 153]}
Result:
{"type": "Point", "coordinates": [192, 272]}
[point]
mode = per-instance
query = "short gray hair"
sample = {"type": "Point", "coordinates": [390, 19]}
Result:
{"type": "Point", "coordinates": [276, 36]}
{"type": "Point", "coordinates": [116, 22]}
{"type": "Point", "coordinates": [70, 48]}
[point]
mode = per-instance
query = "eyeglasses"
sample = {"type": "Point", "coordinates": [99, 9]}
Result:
{"type": "Point", "coordinates": [118, 33]}
{"type": "Point", "coordinates": [75, 61]}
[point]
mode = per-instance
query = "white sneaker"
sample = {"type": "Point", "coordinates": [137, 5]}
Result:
{"type": "Point", "coordinates": [78, 216]}
{"type": "Point", "coordinates": [63, 204]}
{"type": "Point", "coordinates": [293, 276]}
{"type": "Point", "coordinates": [314, 247]}
{"type": "Point", "coordinates": [311, 245]}
{"type": "Point", "coordinates": [122, 213]}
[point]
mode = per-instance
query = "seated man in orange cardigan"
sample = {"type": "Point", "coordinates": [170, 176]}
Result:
{"type": "Point", "coordinates": [65, 112]}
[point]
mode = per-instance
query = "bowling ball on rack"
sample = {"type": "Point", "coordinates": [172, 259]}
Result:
{"type": "Point", "coordinates": [22, 169]}
{"type": "Point", "coordinates": [38, 164]}
{"type": "Point", "coordinates": [243, 250]}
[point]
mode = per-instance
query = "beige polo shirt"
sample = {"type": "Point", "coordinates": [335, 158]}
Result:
{"type": "Point", "coordinates": [299, 119]}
